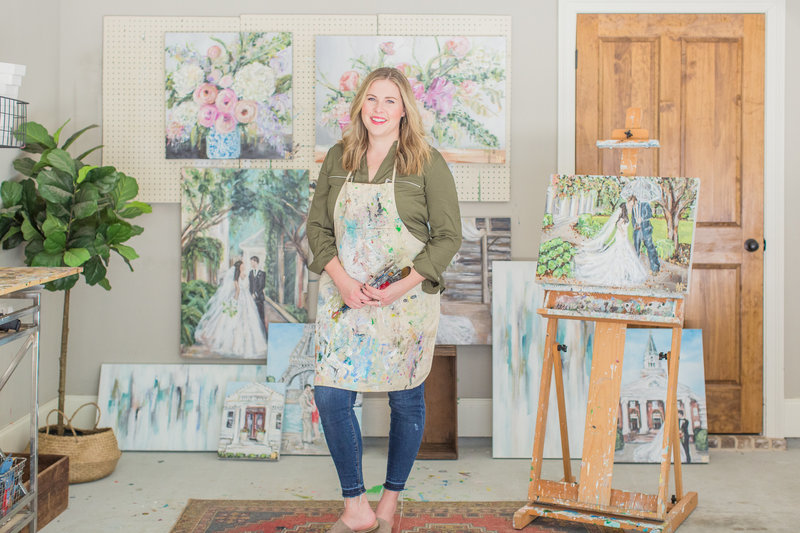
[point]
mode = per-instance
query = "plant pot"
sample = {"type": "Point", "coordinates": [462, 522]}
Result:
{"type": "Point", "coordinates": [93, 453]}
{"type": "Point", "coordinates": [223, 145]}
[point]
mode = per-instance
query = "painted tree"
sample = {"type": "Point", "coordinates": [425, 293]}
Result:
{"type": "Point", "coordinates": [677, 195]}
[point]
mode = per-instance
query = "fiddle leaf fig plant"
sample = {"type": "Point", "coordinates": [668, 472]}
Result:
{"type": "Point", "coordinates": [67, 213]}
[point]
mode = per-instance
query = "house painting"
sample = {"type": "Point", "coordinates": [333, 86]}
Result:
{"type": "Point", "coordinates": [252, 420]}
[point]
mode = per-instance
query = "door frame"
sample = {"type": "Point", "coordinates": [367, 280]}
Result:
{"type": "Point", "coordinates": [774, 423]}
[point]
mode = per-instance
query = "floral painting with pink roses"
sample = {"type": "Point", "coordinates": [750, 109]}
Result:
{"type": "Point", "coordinates": [228, 95]}
{"type": "Point", "coordinates": [459, 84]}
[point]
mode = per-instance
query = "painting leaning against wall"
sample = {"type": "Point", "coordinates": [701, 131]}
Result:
{"type": "Point", "coordinates": [168, 407]}
{"type": "Point", "coordinates": [291, 363]}
{"type": "Point", "coordinates": [459, 83]}
{"type": "Point", "coordinates": [519, 335]}
{"type": "Point", "coordinates": [466, 304]}
{"type": "Point", "coordinates": [228, 95]}
{"type": "Point", "coordinates": [611, 233]}
{"type": "Point", "coordinates": [244, 257]}
{"type": "Point", "coordinates": [252, 421]}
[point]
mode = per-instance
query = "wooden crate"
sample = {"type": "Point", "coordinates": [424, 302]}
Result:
{"type": "Point", "coordinates": [53, 486]}
{"type": "Point", "coordinates": [440, 436]}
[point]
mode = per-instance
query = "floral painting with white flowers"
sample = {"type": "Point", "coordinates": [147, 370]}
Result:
{"type": "Point", "coordinates": [228, 95]}
{"type": "Point", "coordinates": [459, 83]}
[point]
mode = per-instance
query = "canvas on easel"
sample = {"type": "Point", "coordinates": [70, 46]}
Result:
{"type": "Point", "coordinates": [607, 280]}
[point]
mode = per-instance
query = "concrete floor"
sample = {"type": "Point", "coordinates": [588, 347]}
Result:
{"type": "Point", "coordinates": [738, 491]}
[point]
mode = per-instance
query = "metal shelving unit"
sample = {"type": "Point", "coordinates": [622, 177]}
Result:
{"type": "Point", "coordinates": [26, 283]}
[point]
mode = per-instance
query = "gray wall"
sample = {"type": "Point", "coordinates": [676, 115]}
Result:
{"type": "Point", "coordinates": [138, 320]}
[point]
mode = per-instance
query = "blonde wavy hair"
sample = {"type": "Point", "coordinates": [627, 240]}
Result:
{"type": "Point", "coordinates": [413, 150]}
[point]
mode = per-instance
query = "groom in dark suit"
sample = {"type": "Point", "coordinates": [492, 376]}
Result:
{"type": "Point", "coordinates": [258, 281]}
{"type": "Point", "coordinates": [641, 213]}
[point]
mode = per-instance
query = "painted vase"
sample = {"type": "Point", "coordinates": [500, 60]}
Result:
{"type": "Point", "coordinates": [223, 145]}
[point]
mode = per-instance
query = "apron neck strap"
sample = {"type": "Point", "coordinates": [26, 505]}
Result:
{"type": "Point", "coordinates": [351, 174]}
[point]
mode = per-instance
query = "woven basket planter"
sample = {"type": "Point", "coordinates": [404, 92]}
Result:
{"type": "Point", "coordinates": [93, 453]}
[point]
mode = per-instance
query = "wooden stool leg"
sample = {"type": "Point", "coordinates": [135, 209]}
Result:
{"type": "Point", "coordinates": [562, 415]}
{"type": "Point", "coordinates": [676, 457]}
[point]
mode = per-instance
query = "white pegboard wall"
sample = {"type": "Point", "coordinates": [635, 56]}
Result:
{"type": "Point", "coordinates": [474, 182]}
{"type": "Point", "coordinates": [134, 101]}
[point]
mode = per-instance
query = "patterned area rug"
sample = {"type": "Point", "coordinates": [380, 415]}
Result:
{"type": "Point", "coordinates": [275, 516]}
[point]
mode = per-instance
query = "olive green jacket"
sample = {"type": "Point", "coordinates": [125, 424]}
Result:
{"type": "Point", "coordinates": [427, 204]}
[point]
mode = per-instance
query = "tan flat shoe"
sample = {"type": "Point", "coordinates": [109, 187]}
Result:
{"type": "Point", "coordinates": [341, 527]}
{"type": "Point", "coordinates": [384, 526]}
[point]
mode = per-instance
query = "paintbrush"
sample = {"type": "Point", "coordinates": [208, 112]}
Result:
{"type": "Point", "coordinates": [388, 275]}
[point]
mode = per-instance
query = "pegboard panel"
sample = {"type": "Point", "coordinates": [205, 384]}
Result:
{"type": "Point", "coordinates": [303, 29]}
{"type": "Point", "coordinates": [134, 103]}
{"type": "Point", "coordinates": [474, 182]}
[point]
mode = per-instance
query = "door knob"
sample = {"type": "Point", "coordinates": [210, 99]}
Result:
{"type": "Point", "coordinates": [751, 245]}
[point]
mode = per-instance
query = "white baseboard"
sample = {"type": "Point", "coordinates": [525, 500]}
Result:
{"type": "Point", "coordinates": [474, 417]}
{"type": "Point", "coordinates": [791, 412]}
{"type": "Point", "coordinates": [15, 437]}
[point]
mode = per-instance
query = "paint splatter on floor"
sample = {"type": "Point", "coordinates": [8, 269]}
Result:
{"type": "Point", "coordinates": [375, 490]}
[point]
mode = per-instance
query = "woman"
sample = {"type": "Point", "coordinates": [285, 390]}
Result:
{"type": "Point", "coordinates": [385, 200]}
{"type": "Point", "coordinates": [231, 327]}
{"type": "Point", "coordinates": [609, 260]}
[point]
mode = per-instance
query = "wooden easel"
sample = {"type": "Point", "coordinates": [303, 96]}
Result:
{"type": "Point", "coordinates": [592, 500]}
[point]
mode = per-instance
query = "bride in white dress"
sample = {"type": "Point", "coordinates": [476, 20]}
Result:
{"type": "Point", "coordinates": [231, 326]}
{"type": "Point", "coordinates": [609, 258]}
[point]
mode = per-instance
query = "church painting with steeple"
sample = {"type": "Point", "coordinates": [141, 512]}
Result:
{"type": "Point", "coordinates": [641, 421]}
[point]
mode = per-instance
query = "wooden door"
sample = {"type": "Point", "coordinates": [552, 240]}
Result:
{"type": "Point", "coordinates": [699, 80]}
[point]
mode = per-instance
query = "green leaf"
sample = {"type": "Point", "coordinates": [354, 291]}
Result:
{"type": "Point", "coordinates": [11, 231]}
{"type": "Point", "coordinates": [84, 170]}
{"type": "Point", "coordinates": [55, 243]}
{"type": "Point", "coordinates": [89, 151]}
{"type": "Point", "coordinates": [58, 132]}
{"type": "Point", "coordinates": [94, 271]}
{"type": "Point", "coordinates": [74, 136]}
{"type": "Point", "coordinates": [11, 193]}
{"type": "Point", "coordinates": [53, 224]}
{"type": "Point", "coordinates": [118, 233]}
{"type": "Point", "coordinates": [136, 230]}
{"type": "Point", "coordinates": [76, 256]}
{"type": "Point", "coordinates": [105, 284]}
{"type": "Point", "coordinates": [126, 251]}
{"type": "Point", "coordinates": [45, 259]}
{"type": "Point", "coordinates": [13, 239]}
{"type": "Point", "coordinates": [134, 209]}
{"type": "Point", "coordinates": [62, 284]}
{"type": "Point", "coordinates": [126, 190]}
{"type": "Point", "coordinates": [58, 211]}
{"type": "Point", "coordinates": [31, 249]}
{"type": "Point", "coordinates": [28, 231]}
{"type": "Point", "coordinates": [84, 209]}
{"type": "Point", "coordinates": [62, 161]}
{"type": "Point", "coordinates": [36, 133]}
{"type": "Point", "coordinates": [54, 187]}
{"type": "Point", "coordinates": [24, 165]}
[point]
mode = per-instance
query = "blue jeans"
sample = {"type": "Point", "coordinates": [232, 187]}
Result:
{"type": "Point", "coordinates": [343, 435]}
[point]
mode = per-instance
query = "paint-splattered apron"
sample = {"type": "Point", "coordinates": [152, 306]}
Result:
{"type": "Point", "coordinates": [373, 348]}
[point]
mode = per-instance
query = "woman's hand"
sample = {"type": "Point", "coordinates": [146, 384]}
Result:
{"type": "Point", "coordinates": [393, 291]}
{"type": "Point", "coordinates": [351, 292]}
{"type": "Point", "coordinates": [349, 288]}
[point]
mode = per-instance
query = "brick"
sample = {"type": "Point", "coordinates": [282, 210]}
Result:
{"type": "Point", "coordinates": [744, 442]}
{"type": "Point", "coordinates": [762, 443]}
{"type": "Point", "coordinates": [713, 441]}
{"type": "Point", "coordinates": [779, 444]}
{"type": "Point", "coordinates": [727, 441]}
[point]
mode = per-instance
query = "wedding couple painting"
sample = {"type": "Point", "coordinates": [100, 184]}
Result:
{"type": "Point", "coordinates": [608, 233]}
{"type": "Point", "coordinates": [244, 258]}
{"type": "Point", "coordinates": [233, 324]}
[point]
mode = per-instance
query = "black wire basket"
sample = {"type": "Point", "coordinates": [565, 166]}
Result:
{"type": "Point", "coordinates": [13, 117]}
